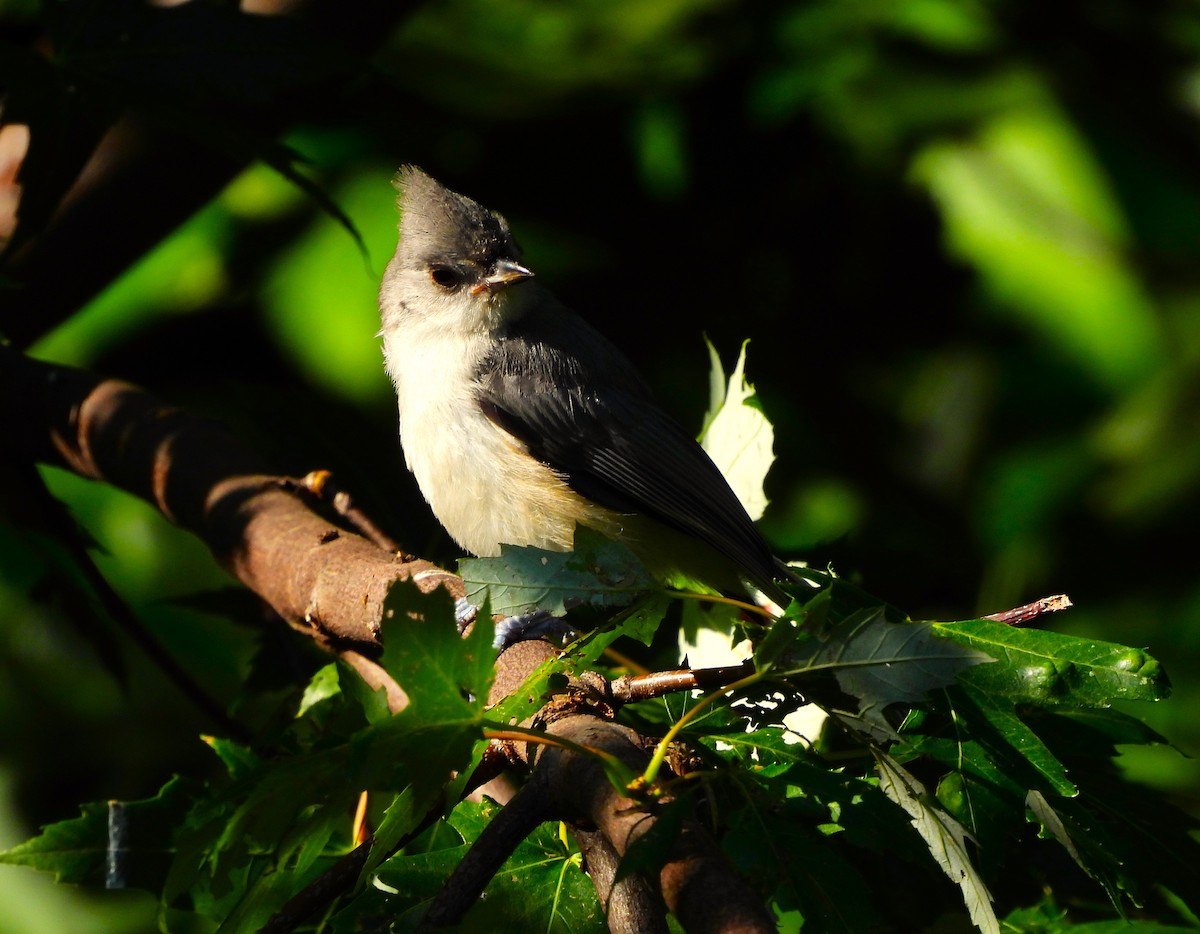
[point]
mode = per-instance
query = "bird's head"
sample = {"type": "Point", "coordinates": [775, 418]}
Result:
{"type": "Point", "coordinates": [455, 264]}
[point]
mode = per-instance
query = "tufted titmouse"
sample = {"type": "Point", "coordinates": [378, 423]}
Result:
{"type": "Point", "coordinates": [520, 421]}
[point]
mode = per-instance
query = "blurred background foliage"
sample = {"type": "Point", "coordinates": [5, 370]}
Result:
{"type": "Point", "coordinates": [963, 238]}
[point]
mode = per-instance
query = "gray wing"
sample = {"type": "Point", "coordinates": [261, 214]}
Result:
{"type": "Point", "coordinates": [579, 407]}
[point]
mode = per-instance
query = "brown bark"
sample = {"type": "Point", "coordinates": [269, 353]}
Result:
{"type": "Point", "coordinates": [316, 575]}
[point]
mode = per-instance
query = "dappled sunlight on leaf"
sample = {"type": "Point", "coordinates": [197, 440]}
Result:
{"type": "Point", "coordinates": [738, 437]}
{"type": "Point", "coordinates": [945, 837]}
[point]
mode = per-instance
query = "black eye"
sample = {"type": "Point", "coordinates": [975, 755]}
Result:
{"type": "Point", "coordinates": [446, 276]}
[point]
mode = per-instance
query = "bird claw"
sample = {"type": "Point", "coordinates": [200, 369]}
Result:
{"type": "Point", "coordinates": [538, 624]}
{"type": "Point", "coordinates": [464, 614]}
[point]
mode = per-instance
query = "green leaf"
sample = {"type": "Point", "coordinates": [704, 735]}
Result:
{"type": "Point", "coordinates": [585, 652]}
{"type": "Point", "coordinates": [797, 825]}
{"type": "Point", "coordinates": [446, 677]}
{"type": "Point", "coordinates": [321, 686]}
{"type": "Point", "coordinates": [882, 663]}
{"type": "Point", "coordinates": [118, 844]}
{"type": "Point", "coordinates": [599, 572]}
{"type": "Point", "coordinates": [784, 641]}
{"type": "Point", "coordinates": [1088, 843]}
{"type": "Point", "coordinates": [249, 848]}
{"type": "Point", "coordinates": [790, 771]}
{"type": "Point", "coordinates": [372, 703]}
{"type": "Point", "coordinates": [541, 887]}
{"type": "Point", "coordinates": [968, 756]}
{"type": "Point", "coordinates": [1000, 715]}
{"type": "Point", "coordinates": [1132, 841]}
{"type": "Point", "coordinates": [737, 435]}
{"type": "Point", "coordinates": [1048, 919]}
{"type": "Point", "coordinates": [299, 857]}
{"type": "Point", "coordinates": [402, 817]}
{"type": "Point", "coordinates": [718, 386]}
{"type": "Point", "coordinates": [1096, 732]}
{"type": "Point", "coordinates": [1051, 669]}
{"type": "Point", "coordinates": [769, 841]}
{"type": "Point", "coordinates": [258, 827]}
{"type": "Point", "coordinates": [945, 837]}
{"type": "Point", "coordinates": [641, 621]}
{"type": "Point", "coordinates": [988, 813]}
{"type": "Point", "coordinates": [1053, 826]}
{"type": "Point", "coordinates": [238, 760]}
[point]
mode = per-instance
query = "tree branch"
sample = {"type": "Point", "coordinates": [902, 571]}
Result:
{"type": "Point", "coordinates": [697, 884]}
{"type": "Point", "coordinates": [631, 903]}
{"type": "Point", "coordinates": [320, 578]}
{"type": "Point", "coordinates": [330, 582]}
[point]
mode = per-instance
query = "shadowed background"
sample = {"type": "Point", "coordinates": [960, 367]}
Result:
{"type": "Point", "coordinates": [961, 237]}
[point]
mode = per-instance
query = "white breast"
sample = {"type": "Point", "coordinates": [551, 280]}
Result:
{"type": "Point", "coordinates": [479, 480]}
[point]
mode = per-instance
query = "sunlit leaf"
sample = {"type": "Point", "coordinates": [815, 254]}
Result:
{"type": "Point", "coordinates": [999, 714]}
{"type": "Point", "coordinates": [738, 437]}
{"type": "Point", "coordinates": [1049, 668]}
{"type": "Point", "coordinates": [945, 837]}
{"type": "Point", "coordinates": [446, 677]}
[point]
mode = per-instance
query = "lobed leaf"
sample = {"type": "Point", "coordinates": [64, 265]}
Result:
{"type": "Point", "coordinates": [118, 844]}
{"type": "Point", "coordinates": [1052, 669]}
{"type": "Point", "coordinates": [945, 837]}
{"type": "Point", "coordinates": [541, 887]}
{"type": "Point", "coordinates": [1000, 716]}
{"type": "Point", "coordinates": [770, 842]}
{"type": "Point", "coordinates": [445, 676]}
{"type": "Point", "coordinates": [881, 663]}
{"type": "Point", "coordinates": [599, 572]}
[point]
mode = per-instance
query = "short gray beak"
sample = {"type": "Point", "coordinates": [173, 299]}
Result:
{"type": "Point", "coordinates": [505, 273]}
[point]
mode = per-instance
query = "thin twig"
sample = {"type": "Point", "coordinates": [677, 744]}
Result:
{"type": "Point", "coordinates": [1023, 614]}
{"type": "Point", "coordinates": [630, 688]}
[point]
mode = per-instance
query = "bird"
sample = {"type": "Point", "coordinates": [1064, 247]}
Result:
{"type": "Point", "coordinates": [521, 422]}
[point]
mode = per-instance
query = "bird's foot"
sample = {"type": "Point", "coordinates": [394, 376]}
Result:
{"type": "Point", "coordinates": [537, 624]}
{"type": "Point", "coordinates": [464, 614]}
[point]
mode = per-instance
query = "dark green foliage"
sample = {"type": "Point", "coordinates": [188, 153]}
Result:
{"type": "Point", "coordinates": [926, 733]}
